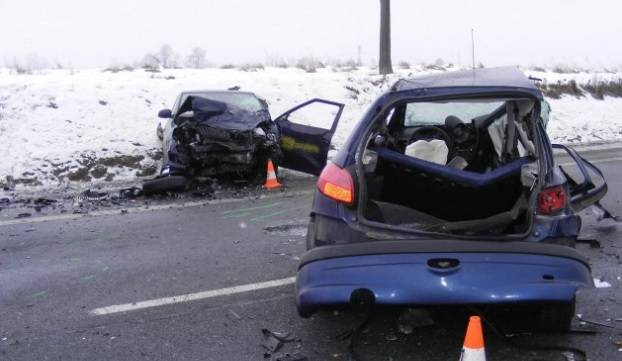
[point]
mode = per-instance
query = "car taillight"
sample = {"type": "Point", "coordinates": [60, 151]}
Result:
{"type": "Point", "coordinates": [337, 184]}
{"type": "Point", "coordinates": [551, 200]}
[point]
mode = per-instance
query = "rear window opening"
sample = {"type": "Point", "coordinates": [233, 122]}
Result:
{"type": "Point", "coordinates": [464, 167]}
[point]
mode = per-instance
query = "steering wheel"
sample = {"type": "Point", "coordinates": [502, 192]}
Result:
{"type": "Point", "coordinates": [427, 132]}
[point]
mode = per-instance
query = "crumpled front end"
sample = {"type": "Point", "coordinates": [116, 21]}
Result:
{"type": "Point", "coordinates": [439, 278]}
{"type": "Point", "coordinates": [214, 151]}
{"type": "Point", "coordinates": [216, 138]}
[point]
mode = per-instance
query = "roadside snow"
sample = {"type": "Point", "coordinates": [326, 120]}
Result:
{"type": "Point", "coordinates": [64, 126]}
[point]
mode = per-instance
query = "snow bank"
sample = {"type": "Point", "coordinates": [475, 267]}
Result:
{"type": "Point", "coordinates": [63, 126]}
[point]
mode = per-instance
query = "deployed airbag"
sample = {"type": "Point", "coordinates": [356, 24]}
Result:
{"type": "Point", "coordinates": [434, 150]}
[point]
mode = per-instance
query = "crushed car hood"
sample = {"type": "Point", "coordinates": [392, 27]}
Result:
{"type": "Point", "coordinates": [221, 115]}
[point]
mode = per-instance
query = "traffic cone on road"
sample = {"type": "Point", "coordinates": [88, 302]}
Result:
{"type": "Point", "coordinates": [271, 181]}
{"type": "Point", "coordinates": [473, 349]}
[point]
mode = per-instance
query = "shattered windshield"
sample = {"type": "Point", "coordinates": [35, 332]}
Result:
{"type": "Point", "coordinates": [245, 101]}
{"type": "Point", "coordinates": [419, 113]}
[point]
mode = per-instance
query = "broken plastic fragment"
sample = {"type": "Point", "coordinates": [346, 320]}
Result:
{"type": "Point", "coordinates": [601, 284]}
{"type": "Point", "coordinates": [272, 341]}
{"type": "Point", "coordinates": [130, 193]}
{"type": "Point", "coordinates": [602, 213]}
{"type": "Point", "coordinates": [293, 357]}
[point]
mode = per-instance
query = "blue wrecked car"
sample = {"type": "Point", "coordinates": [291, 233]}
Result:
{"type": "Point", "coordinates": [232, 134]}
{"type": "Point", "coordinates": [447, 192]}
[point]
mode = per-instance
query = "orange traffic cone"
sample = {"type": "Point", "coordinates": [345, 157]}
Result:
{"type": "Point", "coordinates": [271, 181]}
{"type": "Point", "coordinates": [473, 349]}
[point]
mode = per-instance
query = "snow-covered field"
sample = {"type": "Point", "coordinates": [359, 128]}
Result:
{"type": "Point", "coordinates": [94, 126]}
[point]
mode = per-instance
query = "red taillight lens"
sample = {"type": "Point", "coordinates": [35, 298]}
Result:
{"type": "Point", "coordinates": [552, 200]}
{"type": "Point", "coordinates": [337, 184]}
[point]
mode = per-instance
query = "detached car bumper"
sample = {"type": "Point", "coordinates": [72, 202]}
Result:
{"type": "Point", "coordinates": [440, 272]}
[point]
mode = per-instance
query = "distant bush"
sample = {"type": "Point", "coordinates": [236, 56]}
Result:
{"type": "Point", "coordinates": [354, 93]}
{"type": "Point", "coordinates": [18, 66]}
{"type": "Point", "coordinates": [565, 69]}
{"type": "Point", "coordinates": [227, 66]}
{"type": "Point", "coordinates": [403, 65]}
{"type": "Point", "coordinates": [560, 88]}
{"type": "Point", "coordinates": [347, 65]}
{"type": "Point", "coordinates": [538, 68]}
{"type": "Point", "coordinates": [251, 67]}
{"type": "Point", "coordinates": [309, 64]}
{"type": "Point", "coordinates": [434, 67]}
{"type": "Point", "coordinates": [276, 61]}
{"type": "Point", "coordinates": [115, 69]}
{"type": "Point", "coordinates": [598, 89]}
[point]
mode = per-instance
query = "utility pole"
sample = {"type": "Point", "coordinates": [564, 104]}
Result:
{"type": "Point", "coordinates": [384, 66]}
{"type": "Point", "coordinates": [359, 60]}
{"type": "Point", "coordinates": [472, 48]}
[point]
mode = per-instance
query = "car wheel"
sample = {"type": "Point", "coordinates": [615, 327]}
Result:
{"type": "Point", "coordinates": [556, 317]}
{"type": "Point", "coordinates": [171, 183]}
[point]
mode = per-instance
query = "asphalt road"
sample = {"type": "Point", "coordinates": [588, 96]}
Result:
{"type": "Point", "coordinates": [72, 287]}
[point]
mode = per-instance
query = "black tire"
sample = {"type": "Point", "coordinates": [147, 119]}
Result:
{"type": "Point", "coordinates": [556, 317]}
{"type": "Point", "coordinates": [172, 183]}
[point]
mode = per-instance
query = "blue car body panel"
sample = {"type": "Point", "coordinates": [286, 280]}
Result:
{"type": "Point", "coordinates": [406, 279]}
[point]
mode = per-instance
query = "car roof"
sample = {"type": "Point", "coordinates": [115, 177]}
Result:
{"type": "Point", "coordinates": [500, 77]}
{"type": "Point", "coordinates": [217, 92]}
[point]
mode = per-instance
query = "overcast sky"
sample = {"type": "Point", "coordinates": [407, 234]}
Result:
{"type": "Point", "coordinates": [86, 33]}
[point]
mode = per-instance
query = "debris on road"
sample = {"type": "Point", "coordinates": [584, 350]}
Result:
{"type": "Point", "coordinates": [592, 242]}
{"type": "Point", "coordinates": [292, 357]}
{"type": "Point", "coordinates": [413, 318]}
{"type": "Point", "coordinates": [272, 341]}
{"type": "Point", "coordinates": [602, 213]}
{"type": "Point", "coordinates": [44, 201]}
{"type": "Point", "coordinates": [599, 283]}
{"type": "Point", "coordinates": [583, 320]}
{"type": "Point", "coordinates": [234, 314]}
{"type": "Point", "coordinates": [130, 193]}
{"type": "Point", "coordinates": [291, 229]}
{"type": "Point", "coordinates": [91, 196]}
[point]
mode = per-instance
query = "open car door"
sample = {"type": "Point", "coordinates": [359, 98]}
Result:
{"type": "Point", "coordinates": [306, 132]}
{"type": "Point", "coordinates": [588, 191]}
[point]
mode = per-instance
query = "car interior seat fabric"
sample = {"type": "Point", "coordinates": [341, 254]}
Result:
{"type": "Point", "coordinates": [434, 150]}
{"type": "Point", "coordinates": [507, 133]}
{"type": "Point", "coordinates": [463, 177]}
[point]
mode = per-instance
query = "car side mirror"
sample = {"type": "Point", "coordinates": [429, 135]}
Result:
{"type": "Point", "coordinates": [165, 113]}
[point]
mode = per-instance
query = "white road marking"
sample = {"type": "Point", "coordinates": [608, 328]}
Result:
{"type": "Point", "coordinates": [191, 297]}
{"type": "Point", "coordinates": [116, 211]}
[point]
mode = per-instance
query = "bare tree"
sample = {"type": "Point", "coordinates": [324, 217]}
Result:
{"type": "Point", "coordinates": [196, 59]}
{"type": "Point", "coordinates": [166, 56]}
{"type": "Point", "coordinates": [385, 37]}
{"type": "Point", "coordinates": [150, 61]}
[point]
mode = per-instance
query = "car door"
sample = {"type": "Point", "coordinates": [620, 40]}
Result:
{"type": "Point", "coordinates": [591, 188]}
{"type": "Point", "coordinates": [306, 131]}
